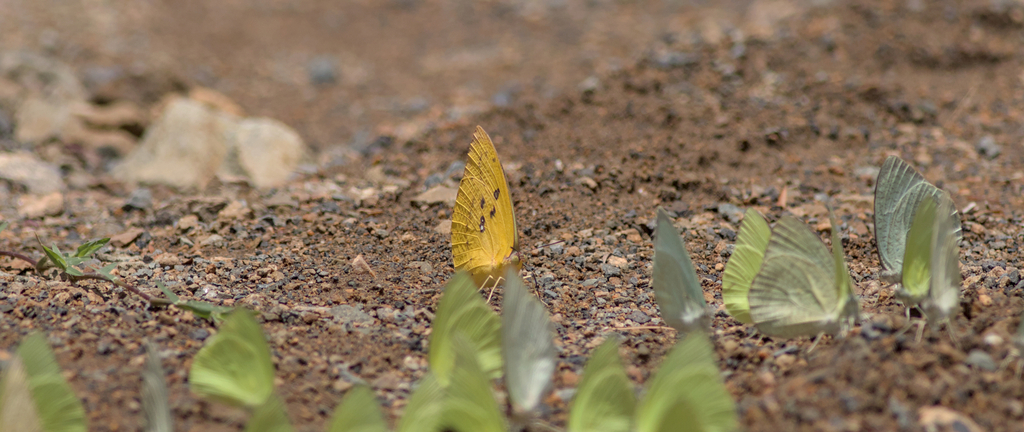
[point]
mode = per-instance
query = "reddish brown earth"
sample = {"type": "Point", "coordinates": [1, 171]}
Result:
{"type": "Point", "coordinates": [691, 107]}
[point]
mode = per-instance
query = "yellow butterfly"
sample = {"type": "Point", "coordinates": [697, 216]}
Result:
{"type": "Point", "coordinates": [485, 239]}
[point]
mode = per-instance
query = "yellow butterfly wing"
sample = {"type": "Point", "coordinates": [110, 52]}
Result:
{"type": "Point", "coordinates": [485, 238]}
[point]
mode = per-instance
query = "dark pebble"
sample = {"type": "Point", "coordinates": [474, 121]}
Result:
{"type": "Point", "coordinates": [988, 148]}
{"type": "Point", "coordinates": [639, 317]}
{"type": "Point", "coordinates": [322, 70]}
{"type": "Point", "coordinates": [199, 334]}
{"type": "Point", "coordinates": [610, 270]}
{"type": "Point", "coordinates": [140, 199]}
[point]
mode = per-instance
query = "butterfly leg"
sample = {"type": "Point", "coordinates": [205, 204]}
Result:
{"type": "Point", "coordinates": [493, 287]}
{"type": "Point", "coordinates": [816, 340]}
{"type": "Point", "coordinates": [952, 333]}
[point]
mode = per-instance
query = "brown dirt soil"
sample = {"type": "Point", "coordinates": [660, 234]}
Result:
{"type": "Point", "coordinates": [777, 120]}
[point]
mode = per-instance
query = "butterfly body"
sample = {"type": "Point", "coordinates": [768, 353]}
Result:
{"type": "Point", "coordinates": [485, 239]}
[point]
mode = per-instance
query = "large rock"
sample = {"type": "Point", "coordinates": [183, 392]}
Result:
{"type": "Point", "coordinates": [265, 151]}
{"type": "Point", "coordinates": [191, 142]}
{"type": "Point", "coordinates": [183, 148]}
{"type": "Point", "coordinates": [25, 169]}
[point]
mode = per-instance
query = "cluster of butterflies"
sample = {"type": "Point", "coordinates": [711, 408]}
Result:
{"type": "Point", "coordinates": [782, 280]}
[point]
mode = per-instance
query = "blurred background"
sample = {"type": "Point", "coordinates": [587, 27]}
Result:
{"type": "Point", "coordinates": [343, 73]}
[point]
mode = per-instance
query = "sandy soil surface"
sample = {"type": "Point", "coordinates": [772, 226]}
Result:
{"type": "Point", "coordinates": [601, 111]}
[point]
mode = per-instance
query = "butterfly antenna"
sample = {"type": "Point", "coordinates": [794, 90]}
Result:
{"type": "Point", "coordinates": [547, 245]}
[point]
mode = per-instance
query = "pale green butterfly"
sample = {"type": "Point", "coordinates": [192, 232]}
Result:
{"type": "Point", "coordinates": [34, 396]}
{"type": "Point", "coordinates": [155, 403]}
{"type": "Point", "coordinates": [687, 392]}
{"type": "Point", "coordinates": [743, 265]}
{"type": "Point", "coordinates": [931, 271]}
{"type": "Point", "coordinates": [899, 189]}
{"type": "Point", "coordinates": [234, 366]}
{"type": "Point", "coordinates": [358, 412]}
{"type": "Point", "coordinates": [604, 400]}
{"type": "Point", "coordinates": [676, 285]}
{"type": "Point", "coordinates": [527, 346]}
{"type": "Point", "coordinates": [270, 416]}
{"type": "Point", "coordinates": [461, 309]}
{"type": "Point", "coordinates": [801, 289]}
{"type": "Point", "coordinates": [944, 285]}
{"type": "Point", "coordinates": [469, 404]}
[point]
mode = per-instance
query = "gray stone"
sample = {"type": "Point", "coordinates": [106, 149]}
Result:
{"type": "Point", "coordinates": [322, 70]}
{"type": "Point", "coordinates": [455, 170]}
{"type": "Point", "coordinates": [730, 212]}
{"type": "Point", "coordinates": [25, 169]}
{"type": "Point", "coordinates": [639, 317]}
{"type": "Point", "coordinates": [437, 194]}
{"type": "Point", "coordinates": [350, 315]}
{"type": "Point", "coordinates": [610, 270]}
{"type": "Point", "coordinates": [981, 360]}
{"type": "Point", "coordinates": [988, 148]}
{"type": "Point", "coordinates": [140, 199]}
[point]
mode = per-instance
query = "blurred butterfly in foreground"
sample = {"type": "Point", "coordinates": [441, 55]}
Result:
{"type": "Point", "coordinates": [485, 239]}
{"type": "Point", "coordinates": [931, 267]}
{"type": "Point", "coordinates": [899, 191]}
{"type": "Point", "coordinates": [802, 290]}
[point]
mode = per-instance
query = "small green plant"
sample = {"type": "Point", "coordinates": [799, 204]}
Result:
{"type": "Point", "coordinates": [34, 395]}
{"type": "Point", "coordinates": [201, 309]}
{"type": "Point", "coordinates": [80, 265]}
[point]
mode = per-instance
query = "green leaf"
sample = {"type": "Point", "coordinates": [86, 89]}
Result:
{"type": "Point", "coordinates": [358, 412]}
{"type": "Point", "coordinates": [55, 257]}
{"type": "Point", "coordinates": [234, 366]}
{"type": "Point", "coordinates": [425, 408]}
{"type": "Point", "coordinates": [105, 271]}
{"type": "Point", "coordinates": [205, 310]}
{"type": "Point", "coordinates": [470, 404]}
{"type": "Point", "coordinates": [270, 416]}
{"type": "Point", "coordinates": [4, 225]}
{"type": "Point", "coordinates": [167, 292]}
{"type": "Point", "coordinates": [676, 285]}
{"type": "Point", "coordinates": [743, 265]}
{"type": "Point", "coordinates": [604, 400]}
{"type": "Point", "coordinates": [527, 345]}
{"type": "Point", "coordinates": [17, 409]}
{"type": "Point", "coordinates": [90, 247]}
{"type": "Point", "coordinates": [58, 408]}
{"type": "Point", "coordinates": [155, 404]}
{"type": "Point", "coordinates": [461, 309]}
{"type": "Point", "coordinates": [687, 393]}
